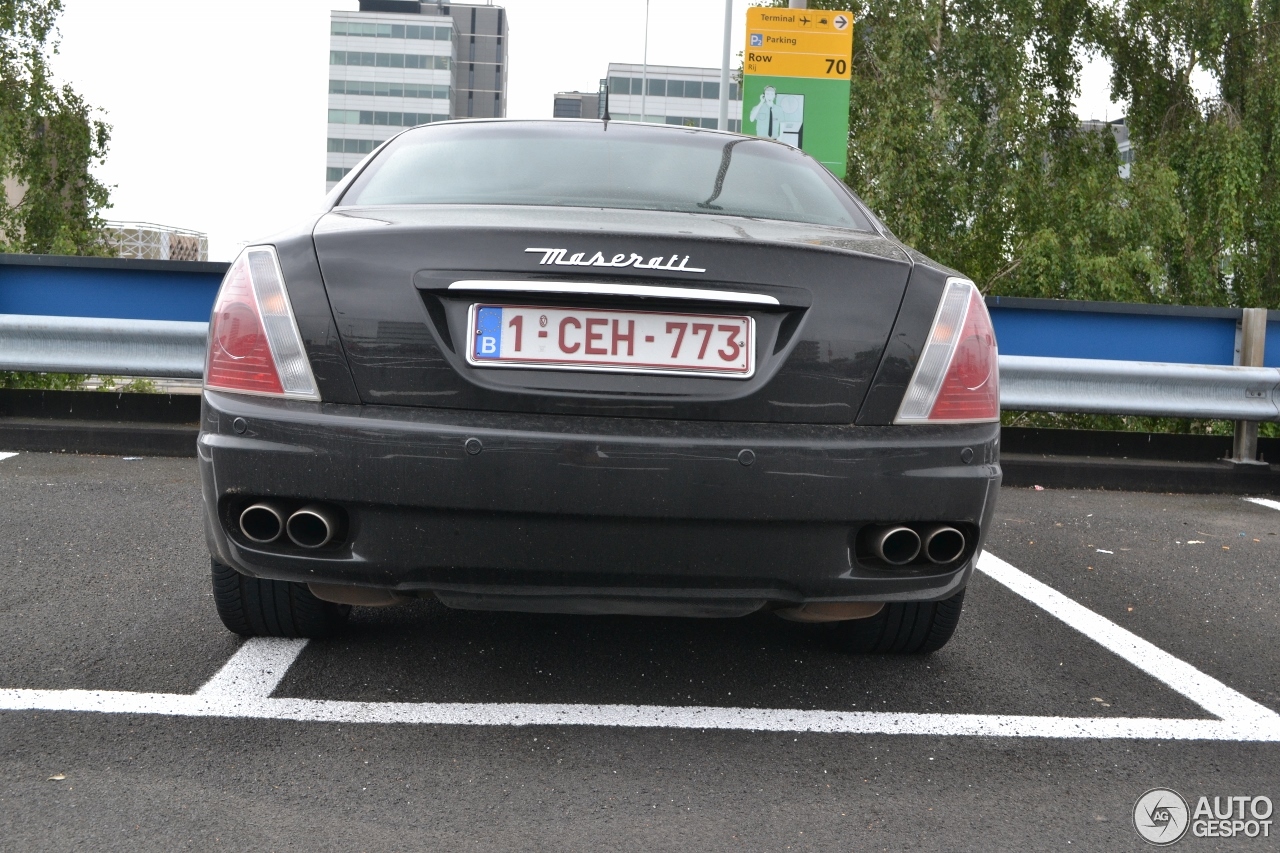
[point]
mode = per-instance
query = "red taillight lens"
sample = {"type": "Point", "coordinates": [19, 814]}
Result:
{"type": "Point", "coordinates": [958, 378]}
{"type": "Point", "coordinates": [254, 345]}
{"type": "Point", "coordinates": [971, 389]}
{"type": "Point", "coordinates": [239, 356]}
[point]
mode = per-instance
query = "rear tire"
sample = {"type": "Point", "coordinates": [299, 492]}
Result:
{"type": "Point", "coordinates": [914, 627]}
{"type": "Point", "coordinates": [252, 607]}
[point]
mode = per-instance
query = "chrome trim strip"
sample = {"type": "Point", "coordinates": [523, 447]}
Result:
{"type": "Point", "coordinates": [603, 289]}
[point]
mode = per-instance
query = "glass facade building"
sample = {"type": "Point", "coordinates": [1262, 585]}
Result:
{"type": "Point", "coordinates": [400, 63]}
{"type": "Point", "coordinates": [675, 95]}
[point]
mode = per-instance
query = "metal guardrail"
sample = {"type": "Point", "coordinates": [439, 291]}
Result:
{"type": "Point", "coordinates": [1155, 389]}
{"type": "Point", "coordinates": [56, 285]}
{"type": "Point", "coordinates": [170, 349]}
{"type": "Point", "coordinates": [176, 350]}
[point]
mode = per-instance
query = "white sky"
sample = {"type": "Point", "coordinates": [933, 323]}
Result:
{"type": "Point", "coordinates": [218, 107]}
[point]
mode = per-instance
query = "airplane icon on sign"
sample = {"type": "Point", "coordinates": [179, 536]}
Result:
{"type": "Point", "coordinates": [804, 20]}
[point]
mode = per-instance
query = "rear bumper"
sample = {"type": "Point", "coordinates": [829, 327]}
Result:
{"type": "Point", "coordinates": [593, 507]}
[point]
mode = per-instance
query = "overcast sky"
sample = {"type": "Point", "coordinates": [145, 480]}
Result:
{"type": "Point", "coordinates": [218, 107]}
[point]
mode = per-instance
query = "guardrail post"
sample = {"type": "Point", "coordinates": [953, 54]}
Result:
{"type": "Point", "coordinates": [1253, 340]}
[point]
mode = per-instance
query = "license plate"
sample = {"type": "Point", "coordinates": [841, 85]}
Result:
{"type": "Point", "coordinates": [616, 341]}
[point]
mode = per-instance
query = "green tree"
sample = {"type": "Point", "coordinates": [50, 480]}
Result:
{"type": "Point", "coordinates": [1221, 146]}
{"type": "Point", "coordinates": [964, 137]}
{"type": "Point", "coordinates": [49, 142]}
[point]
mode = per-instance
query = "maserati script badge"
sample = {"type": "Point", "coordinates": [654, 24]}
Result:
{"type": "Point", "coordinates": [556, 257]}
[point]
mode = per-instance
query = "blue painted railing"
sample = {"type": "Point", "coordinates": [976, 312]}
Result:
{"type": "Point", "coordinates": [1119, 331]}
{"type": "Point", "coordinates": [113, 288]}
{"type": "Point", "coordinates": [60, 286]}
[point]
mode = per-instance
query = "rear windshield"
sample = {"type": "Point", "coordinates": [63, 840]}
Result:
{"type": "Point", "coordinates": [585, 164]}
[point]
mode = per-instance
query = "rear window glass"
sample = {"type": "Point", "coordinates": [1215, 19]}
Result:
{"type": "Point", "coordinates": [582, 164]}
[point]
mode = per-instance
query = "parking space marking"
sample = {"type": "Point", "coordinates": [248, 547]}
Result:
{"type": "Point", "coordinates": [1264, 502]}
{"type": "Point", "coordinates": [242, 688]}
{"type": "Point", "coordinates": [636, 716]}
{"type": "Point", "coordinates": [6, 454]}
{"type": "Point", "coordinates": [254, 671]}
{"type": "Point", "coordinates": [1207, 692]}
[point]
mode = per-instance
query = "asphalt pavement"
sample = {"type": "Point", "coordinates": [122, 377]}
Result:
{"type": "Point", "coordinates": [105, 588]}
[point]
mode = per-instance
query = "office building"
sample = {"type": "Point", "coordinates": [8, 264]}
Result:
{"type": "Point", "coordinates": [400, 63]}
{"type": "Point", "coordinates": [1120, 130]}
{"type": "Point", "coordinates": [577, 105]}
{"type": "Point", "coordinates": [676, 95]}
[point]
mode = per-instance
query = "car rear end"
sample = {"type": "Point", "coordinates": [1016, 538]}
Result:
{"type": "Point", "coordinates": [553, 407]}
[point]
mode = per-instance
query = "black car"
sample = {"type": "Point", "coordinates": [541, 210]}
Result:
{"type": "Point", "coordinates": [598, 367]}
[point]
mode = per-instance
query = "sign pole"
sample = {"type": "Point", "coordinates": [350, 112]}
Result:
{"type": "Point", "coordinates": [644, 69]}
{"type": "Point", "coordinates": [723, 123]}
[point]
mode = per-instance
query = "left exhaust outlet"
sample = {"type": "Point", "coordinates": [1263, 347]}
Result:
{"type": "Point", "coordinates": [313, 526]}
{"type": "Point", "coordinates": [262, 522]}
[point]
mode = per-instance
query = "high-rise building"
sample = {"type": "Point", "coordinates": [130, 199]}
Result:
{"type": "Point", "coordinates": [481, 90]}
{"type": "Point", "coordinates": [399, 63]}
{"type": "Point", "coordinates": [676, 95]}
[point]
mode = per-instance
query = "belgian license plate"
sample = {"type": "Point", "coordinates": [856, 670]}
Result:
{"type": "Point", "coordinates": [616, 341]}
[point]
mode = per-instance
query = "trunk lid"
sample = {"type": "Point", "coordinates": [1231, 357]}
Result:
{"type": "Point", "coordinates": [823, 301]}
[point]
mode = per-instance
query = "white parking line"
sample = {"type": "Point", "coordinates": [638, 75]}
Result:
{"type": "Point", "coordinates": [242, 689]}
{"type": "Point", "coordinates": [6, 454]}
{"type": "Point", "coordinates": [1207, 692]}
{"type": "Point", "coordinates": [635, 716]}
{"type": "Point", "coordinates": [1264, 502]}
{"type": "Point", "coordinates": [254, 671]}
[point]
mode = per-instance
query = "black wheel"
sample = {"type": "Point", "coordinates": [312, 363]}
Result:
{"type": "Point", "coordinates": [252, 607]}
{"type": "Point", "coordinates": [900, 628]}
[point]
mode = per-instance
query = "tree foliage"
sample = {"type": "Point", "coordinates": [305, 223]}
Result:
{"type": "Point", "coordinates": [49, 142]}
{"type": "Point", "coordinates": [1221, 146]}
{"type": "Point", "coordinates": [964, 138]}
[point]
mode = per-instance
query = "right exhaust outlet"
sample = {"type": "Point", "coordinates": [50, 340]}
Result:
{"type": "Point", "coordinates": [313, 526]}
{"type": "Point", "coordinates": [897, 545]}
{"type": "Point", "coordinates": [942, 544]}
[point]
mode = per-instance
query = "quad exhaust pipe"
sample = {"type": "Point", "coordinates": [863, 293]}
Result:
{"type": "Point", "coordinates": [942, 543]}
{"type": "Point", "coordinates": [313, 526]}
{"type": "Point", "coordinates": [899, 545]}
{"type": "Point", "coordinates": [262, 522]}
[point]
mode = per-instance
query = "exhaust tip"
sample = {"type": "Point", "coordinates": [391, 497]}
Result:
{"type": "Point", "coordinates": [261, 522]}
{"type": "Point", "coordinates": [943, 544]}
{"type": "Point", "coordinates": [897, 546]}
{"type": "Point", "coordinates": [313, 526]}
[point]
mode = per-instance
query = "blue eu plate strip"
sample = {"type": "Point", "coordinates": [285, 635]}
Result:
{"type": "Point", "coordinates": [488, 343]}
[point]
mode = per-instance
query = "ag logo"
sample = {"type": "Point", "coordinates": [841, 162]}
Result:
{"type": "Point", "coordinates": [1161, 816]}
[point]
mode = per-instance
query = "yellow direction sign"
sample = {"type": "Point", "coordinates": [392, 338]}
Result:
{"type": "Point", "coordinates": [799, 43]}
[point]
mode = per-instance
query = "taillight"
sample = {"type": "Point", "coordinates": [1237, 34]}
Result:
{"type": "Point", "coordinates": [254, 344]}
{"type": "Point", "coordinates": [958, 377]}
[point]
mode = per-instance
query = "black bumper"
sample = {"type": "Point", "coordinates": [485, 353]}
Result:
{"type": "Point", "coordinates": [604, 507]}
